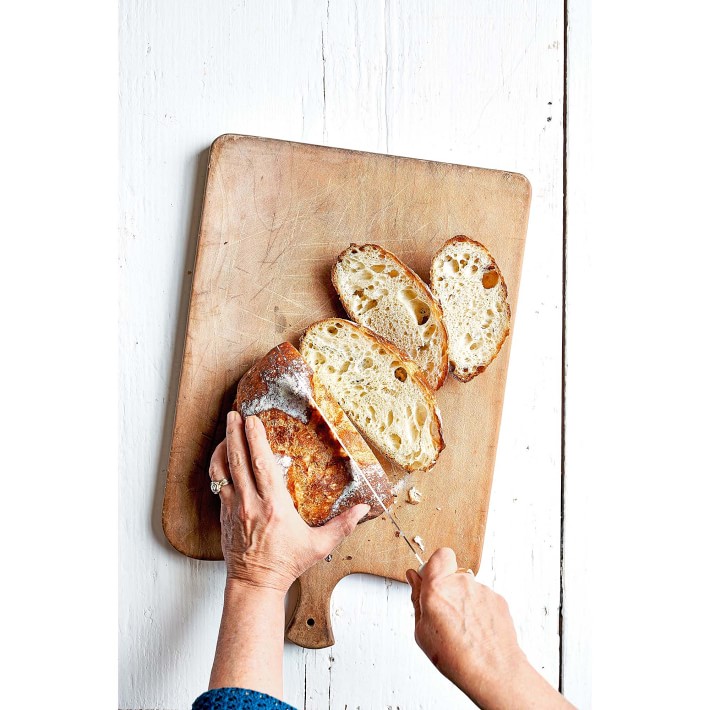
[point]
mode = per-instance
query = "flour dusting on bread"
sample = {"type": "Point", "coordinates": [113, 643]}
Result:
{"type": "Point", "coordinates": [288, 389]}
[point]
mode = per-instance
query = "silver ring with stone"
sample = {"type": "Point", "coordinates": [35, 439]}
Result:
{"type": "Point", "coordinates": [216, 486]}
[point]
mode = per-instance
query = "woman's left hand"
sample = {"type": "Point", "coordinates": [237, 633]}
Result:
{"type": "Point", "coordinates": [265, 541]}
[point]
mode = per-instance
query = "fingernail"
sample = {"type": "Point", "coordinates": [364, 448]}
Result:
{"type": "Point", "coordinates": [231, 417]}
{"type": "Point", "coordinates": [251, 421]}
{"type": "Point", "coordinates": [364, 509]}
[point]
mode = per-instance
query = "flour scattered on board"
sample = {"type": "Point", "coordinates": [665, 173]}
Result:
{"type": "Point", "coordinates": [414, 496]}
{"type": "Point", "coordinates": [418, 541]}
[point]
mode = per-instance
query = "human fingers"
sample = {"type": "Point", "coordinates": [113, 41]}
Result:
{"type": "Point", "coordinates": [415, 582]}
{"type": "Point", "coordinates": [219, 471]}
{"type": "Point", "coordinates": [238, 457]}
{"type": "Point", "coordinates": [267, 473]}
{"type": "Point", "coordinates": [330, 535]}
{"type": "Point", "coordinates": [441, 564]}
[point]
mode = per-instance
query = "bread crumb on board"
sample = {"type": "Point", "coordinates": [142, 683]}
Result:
{"type": "Point", "coordinates": [419, 542]}
{"type": "Point", "coordinates": [414, 496]}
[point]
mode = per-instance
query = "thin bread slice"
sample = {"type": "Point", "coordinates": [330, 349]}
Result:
{"type": "Point", "coordinates": [472, 292]}
{"type": "Point", "coordinates": [383, 294]}
{"type": "Point", "coordinates": [305, 427]}
{"type": "Point", "coordinates": [383, 392]}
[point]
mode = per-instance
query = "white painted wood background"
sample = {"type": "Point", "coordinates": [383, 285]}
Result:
{"type": "Point", "coordinates": [480, 83]}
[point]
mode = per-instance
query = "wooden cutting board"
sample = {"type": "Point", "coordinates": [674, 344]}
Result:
{"type": "Point", "coordinates": [275, 216]}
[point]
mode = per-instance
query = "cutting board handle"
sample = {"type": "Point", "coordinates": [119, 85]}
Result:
{"type": "Point", "coordinates": [310, 625]}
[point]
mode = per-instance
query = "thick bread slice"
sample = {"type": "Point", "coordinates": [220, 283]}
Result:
{"type": "Point", "coordinates": [385, 394]}
{"type": "Point", "coordinates": [471, 290]}
{"type": "Point", "coordinates": [380, 292]}
{"type": "Point", "coordinates": [281, 389]}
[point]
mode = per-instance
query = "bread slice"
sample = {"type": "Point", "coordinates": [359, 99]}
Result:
{"type": "Point", "coordinates": [380, 292]}
{"type": "Point", "coordinates": [472, 292]}
{"type": "Point", "coordinates": [281, 390]}
{"type": "Point", "coordinates": [383, 392]}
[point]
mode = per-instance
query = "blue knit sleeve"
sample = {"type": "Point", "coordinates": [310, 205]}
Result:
{"type": "Point", "coordinates": [238, 699]}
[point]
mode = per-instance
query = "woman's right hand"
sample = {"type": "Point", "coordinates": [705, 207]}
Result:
{"type": "Point", "coordinates": [467, 632]}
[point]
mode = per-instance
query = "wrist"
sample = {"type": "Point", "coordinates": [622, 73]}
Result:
{"type": "Point", "coordinates": [250, 590]}
{"type": "Point", "coordinates": [514, 683]}
{"type": "Point", "coordinates": [495, 683]}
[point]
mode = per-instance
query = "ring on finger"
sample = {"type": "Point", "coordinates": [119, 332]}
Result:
{"type": "Point", "coordinates": [216, 486]}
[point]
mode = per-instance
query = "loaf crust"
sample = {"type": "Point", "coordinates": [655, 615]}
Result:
{"type": "Point", "coordinates": [280, 389]}
{"type": "Point", "coordinates": [395, 303]}
{"type": "Point", "coordinates": [413, 438]}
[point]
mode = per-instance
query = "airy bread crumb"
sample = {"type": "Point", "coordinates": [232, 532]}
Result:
{"type": "Point", "coordinates": [380, 292]}
{"type": "Point", "coordinates": [473, 295]}
{"type": "Point", "coordinates": [385, 395]}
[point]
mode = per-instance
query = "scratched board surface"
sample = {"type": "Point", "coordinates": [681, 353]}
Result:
{"type": "Point", "coordinates": [275, 216]}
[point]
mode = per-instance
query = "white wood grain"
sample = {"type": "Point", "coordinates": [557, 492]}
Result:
{"type": "Point", "coordinates": [476, 83]}
{"type": "Point", "coordinates": [579, 471]}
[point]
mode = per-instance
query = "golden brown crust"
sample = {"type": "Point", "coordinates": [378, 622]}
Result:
{"type": "Point", "coordinates": [462, 238]}
{"type": "Point", "coordinates": [433, 303]}
{"type": "Point", "coordinates": [413, 370]}
{"type": "Point", "coordinates": [280, 389]}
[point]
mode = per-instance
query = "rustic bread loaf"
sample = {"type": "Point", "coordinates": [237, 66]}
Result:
{"type": "Point", "coordinates": [470, 288]}
{"type": "Point", "coordinates": [281, 390]}
{"type": "Point", "coordinates": [380, 292]}
{"type": "Point", "coordinates": [383, 392]}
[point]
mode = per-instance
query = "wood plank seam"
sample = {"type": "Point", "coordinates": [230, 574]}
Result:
{"type": "Point", "coordinates": [565, 38]}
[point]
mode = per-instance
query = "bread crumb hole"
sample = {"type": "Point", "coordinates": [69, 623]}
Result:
{"type": "Point", "coordinates": [320, 358]}
{"type": "Point", "coordinates": [401, 374]}
{"type": "Point", "coordinates": [338, 325]}
{"type": "Point", "coordinates": [367, 363]}
{"type": "Point", "coordinates": [396, 440]}
{"type": "Point", "coordinates": [422, 314]}
{"type": "Point", "coordinates": [451, 266]}
{"type": "Point", "coordinates": [354, 336]}
{"type": "Point", "coordinates": [490, 279]}
{"type": "Point", "coordinates": [378, 268]}
{"type": "Point", "coordinates": [332, 329]}
{"type": "Point", "coordinates": [390, 418]}
{"type": "Point", "coordinates": [393, 273]}
{"type": "Point", "coordinates": [421, 414]}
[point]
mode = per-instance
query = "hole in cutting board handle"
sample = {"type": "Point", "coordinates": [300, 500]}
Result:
{"type": "Point", "coordinates": [311, 622]}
